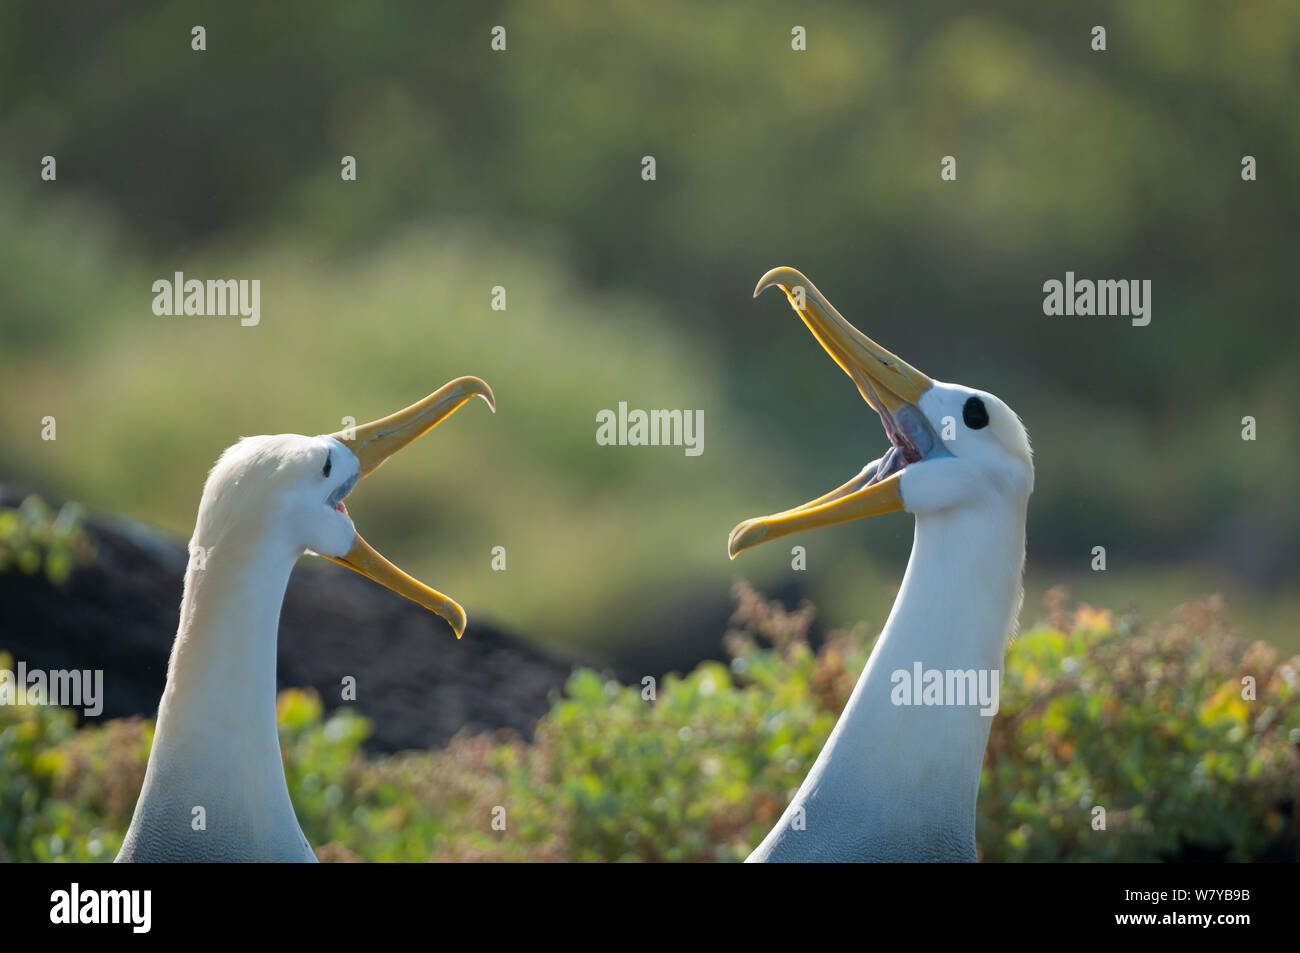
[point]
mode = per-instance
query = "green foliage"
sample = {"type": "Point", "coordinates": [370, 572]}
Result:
{"type": "Point", "coordinates": [1147, 721]}
{"type": "Point", "coordinates": [34, 538]}
{"type": "Point", "coordinates": [697, 773]}
{"type": "Point", "coordinates": [390, 809]}
{"type": "Point", "coordinates": [1149, 724]}
{"type": "Point", "coordinates": [66, 794]}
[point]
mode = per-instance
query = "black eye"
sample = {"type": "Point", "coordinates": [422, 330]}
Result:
{"type": "Point", "coordinates": [329, 462]}
{"type": "Point", "coordinates": [975, 414]}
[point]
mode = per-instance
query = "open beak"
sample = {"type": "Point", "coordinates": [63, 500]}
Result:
{"type": "Point", "coordinates": [374, 443]}
{"type": "Point", "coordinates": [889, 384]}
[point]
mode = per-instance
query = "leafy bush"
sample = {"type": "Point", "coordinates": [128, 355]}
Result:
{"type": "Point", "coordinates": [34, 538]}
{"type": "Point", "coordinates": [698, 772]}
{"type": "Point", "coordinates": [66, 794]}
{"type": "Point", "coordinates": [1145, 721]}
{"type": "Point", "coordinates": [1149, 724]}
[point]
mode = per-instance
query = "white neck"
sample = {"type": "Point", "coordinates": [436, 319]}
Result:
{"type": "Point", "coordinates": [216, 744]}
{"type": "Point", "coordinates": [898, 782]}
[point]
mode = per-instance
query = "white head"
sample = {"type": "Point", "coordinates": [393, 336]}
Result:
{"type": "Point", "coordinates": [283, 486]}
{"type": "Point", "coordinates": [288, 490]}
{"type": "Point", "coordinates": [950, 445]}
{"type": "Point", "coordinates": [984, 447]}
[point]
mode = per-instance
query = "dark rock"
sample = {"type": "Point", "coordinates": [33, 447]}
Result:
{"type": "Point", "coordinates": [416, 683]}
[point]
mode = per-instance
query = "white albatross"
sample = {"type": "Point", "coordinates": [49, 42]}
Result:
{"type": "Point", "coordinates": [216, 750]}
{"type": "Point", "coordinates": [896, 781]}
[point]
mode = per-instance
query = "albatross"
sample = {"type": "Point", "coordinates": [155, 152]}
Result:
{"type": "Point", "coordinates": [214, 789]}
{"type": "Point", "coordinates": [897, 781]}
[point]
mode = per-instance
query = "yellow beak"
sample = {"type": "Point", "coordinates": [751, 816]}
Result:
{"type": "Point", "coordinates": [885, 381]}
{"type": "Point", "coordinates": [374, 443]}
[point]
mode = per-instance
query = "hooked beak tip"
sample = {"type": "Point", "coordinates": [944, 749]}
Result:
{"type": "Point", "coordinates": [782, 275]}
{"type": "Point", "coordinates": [488, 397]}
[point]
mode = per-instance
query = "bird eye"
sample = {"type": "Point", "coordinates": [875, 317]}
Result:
{"type": "Point", "coordinates": [975, 414]}
{"type": "Point", "coordinates": [329, 462]}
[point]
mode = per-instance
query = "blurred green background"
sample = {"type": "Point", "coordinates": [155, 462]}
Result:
{"type": "Point", "coordinates": [522, 169]}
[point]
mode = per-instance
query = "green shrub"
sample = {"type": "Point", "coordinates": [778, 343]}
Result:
{"type": "Point", "coordinates": [1150, 724]}
{"type": "Point", "coordinates": [66, 794]}
{"type": "Point", "coordinates": [34, 538]}
{"type": "Point", "coordinates": [1145, 721]}
{"type": "Point", "coordinates": [699, 772]}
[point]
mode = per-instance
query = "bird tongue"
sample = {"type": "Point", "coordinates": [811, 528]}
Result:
{"type": "Point", "coordinates": [890, 463]}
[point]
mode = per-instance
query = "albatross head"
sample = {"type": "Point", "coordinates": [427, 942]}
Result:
{"type": "Point", "coordinates": [289, 489]}
{"type": "Point", "coordinates": [950, 445]}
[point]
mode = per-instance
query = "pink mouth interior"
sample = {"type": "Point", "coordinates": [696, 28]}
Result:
{"type": "Point", "coordinates": [897, 436]}
{"type": "Point", "coordinates": [341, 507]}
{"type": "Point", "coordinates": [902, 450]}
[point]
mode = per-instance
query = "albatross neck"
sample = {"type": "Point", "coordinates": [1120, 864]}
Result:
{"type": "Point", "coordinates": [216, 744]}
{"type": "Point", "coordinates": [899, 782]}
{"type": "Point", "coordinates": [216, 741]}
{"type": "Point", "coordinates": [222, 670]}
